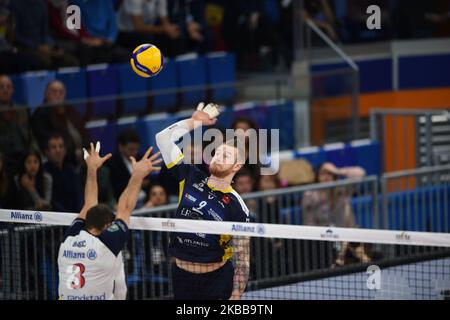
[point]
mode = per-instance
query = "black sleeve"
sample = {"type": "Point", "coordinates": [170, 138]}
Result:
{"type": "Point", "coordinates": [181, 170]}
{"type": "Point", "coordinates": [75, 228]}
{"type": "Point", "coordinates": [115, 236]}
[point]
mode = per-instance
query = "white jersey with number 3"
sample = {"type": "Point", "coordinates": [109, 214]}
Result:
{"type": "Point", "coordinates": [90, 268]}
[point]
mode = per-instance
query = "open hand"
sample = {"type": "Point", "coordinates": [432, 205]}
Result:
{"type": "Point", "coordinates": [146, 165]}
{"type": "Point", "coordinates": [93, 159]}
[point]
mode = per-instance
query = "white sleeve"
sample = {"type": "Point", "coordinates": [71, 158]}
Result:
{"type": "Point", "coordinates": [166, 139]}
{"type": "Point", "coordinates": [120, 285]}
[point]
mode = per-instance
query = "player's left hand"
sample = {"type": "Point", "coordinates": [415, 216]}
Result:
{"type": "Point", "coordinates": [146, 165]}
{"type": "Point", "coordinates": [93, 159]}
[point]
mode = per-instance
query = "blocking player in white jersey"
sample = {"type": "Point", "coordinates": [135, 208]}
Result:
{"type": "Point", "coordinates": [90, 260]}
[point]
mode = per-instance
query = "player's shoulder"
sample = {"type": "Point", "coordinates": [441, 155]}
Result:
{"type": "Point", "coordinates": [238, 201]}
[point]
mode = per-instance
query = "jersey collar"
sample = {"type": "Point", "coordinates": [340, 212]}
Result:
{"type": "Point", "coordinates": [226, 190]}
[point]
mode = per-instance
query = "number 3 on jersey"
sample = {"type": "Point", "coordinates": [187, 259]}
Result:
{"type": "Point", "coordinates": [75, 279]}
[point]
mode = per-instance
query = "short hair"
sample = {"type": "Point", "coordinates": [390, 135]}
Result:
{"type": "Point", "coordinates": [129, 135]}
{"type": "Point", "coordinates": [98, 217]}
{"type": "Point", "coordinates": [55, 135]}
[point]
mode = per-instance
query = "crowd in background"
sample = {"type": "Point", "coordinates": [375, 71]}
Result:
{"type": "Point", "coordinates": [34, 33]}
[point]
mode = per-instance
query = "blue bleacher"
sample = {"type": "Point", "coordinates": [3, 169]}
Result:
{"type": "Point", "coordinates": [104, 132]}
{"type": "Point", "coordinates": [129, 83]}
{"type": "Point", "coordinates": [76, 86]}
{"type": "Point", "coordinates": [19, 95]}
{"type": "Point", "coordinates": [34, 85]}
{"type": "Point", "coordinates": [103, 80]}
{"type": "Point", "coordinates": [165, 80]}
{"type": "Point", "coordinates": [314, 155]}
{"type": "Point", "coordinates": [191, 72]}
{"type": "Point", "coordinates": [368, 156]}
{"type": "Point", "coordinates": [221, 70]}
{"type": "Point", "coordinates": [340, 155]}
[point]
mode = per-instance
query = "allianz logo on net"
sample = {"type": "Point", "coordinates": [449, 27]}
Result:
{"type": "Point", "coordinates": [17, 215]}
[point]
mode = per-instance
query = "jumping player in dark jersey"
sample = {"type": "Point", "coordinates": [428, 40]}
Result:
{"type": "Point", "coordinates": [203, 268]}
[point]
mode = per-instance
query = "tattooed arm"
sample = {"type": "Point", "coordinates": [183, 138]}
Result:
{"type": "Point", "coordinates": [241, 266]}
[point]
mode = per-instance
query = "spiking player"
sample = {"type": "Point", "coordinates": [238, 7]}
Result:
{"type": "Point", "coordinates": [203, 267]}
{"type": "Point", "coordinates": [90, 259]}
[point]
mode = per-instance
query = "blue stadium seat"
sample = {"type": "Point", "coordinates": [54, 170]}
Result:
{"type": "Point", "coordinates": [191, 72]}
{"type": "Point", "coordinates": [367, 155]}
{"type": "Point", "coordinates": [339, 154]}
{"type": "Point", "coordinates": [165, 80]}
{"type": "Point", "coordinates": [34, 85]}
{"type": "Point", "coordinates": [76, 86]}
{"type": "Point", "coordinates": [221, 69]}
{"type": "Point", "coordinates": [130, 82]}
{"type": "Point", "coordinates": [282, 117]}
{"type": "Point", "coordinates": [314, 155]}
{"type": "Point", "coordinates": [105, 132]}
{"type": "Point", "coordinates": [152, 124]}
{"type": "Point", "coordinates": [362, 208]}
{"type": "Point", "coordinates": [103, 80]}
{"type": "Point", "coordinates": [19, 94]}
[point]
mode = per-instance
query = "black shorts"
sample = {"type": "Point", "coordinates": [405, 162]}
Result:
{"type": "Point", "coordinates": [215, 285]}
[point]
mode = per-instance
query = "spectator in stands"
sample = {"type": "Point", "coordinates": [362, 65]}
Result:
{"type": "Point", "coordinates": [147, 21]}
{"type": "Point", "coordinates": [56, 116]}
{"type": "Point", "coordinates": [34, 186]}
{"type": "Point", "coordinates": [245, 183]}
{"type": "Point", "coordinates": [98, 18]}
{"type": "Point", "coordinates": [189, 15]}
{"type": "Point", "coordinates": [7, 190]}
{"type": "Point", "coordinates": [128, 144]}
{"type": "Point", "coordinates": [247, 125]}
{"type": "Point", "coordinates": [331, 207]}
{"type": "Point", "coordinates": [87, 48]}
{"type": "Point", "coordinates": [12, 61]}
{"type": "Point", "coordinates": [15, 132]}
{"type": "Point", "coordinates": [33, 37]}
{"type": "Point", "coordinates": [325, 208]}
{"type": "Point", "coordinates": [156, 196]}
{"type": "Point", "coordinates": [67, 189]}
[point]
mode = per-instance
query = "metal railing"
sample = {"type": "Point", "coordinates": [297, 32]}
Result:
{"type": "Point", "coordinates": [401, 122]}
{"type": "Point", "coordinates": [28, 254]}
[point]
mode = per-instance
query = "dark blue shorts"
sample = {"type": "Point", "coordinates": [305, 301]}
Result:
{"type": "Point", "coordinates": [215, 285]}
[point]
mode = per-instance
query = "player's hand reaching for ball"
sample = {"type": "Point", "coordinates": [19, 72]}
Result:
{"type": "Point", "coordinates": [146, 165]}
{"type": "Point", "coordinates": [93, 159]}
{"type": "Point", "coordinates": [206, 114]}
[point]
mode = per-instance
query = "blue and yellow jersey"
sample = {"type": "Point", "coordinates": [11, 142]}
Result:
{"type": "Point", "coordinates": [198, 200]}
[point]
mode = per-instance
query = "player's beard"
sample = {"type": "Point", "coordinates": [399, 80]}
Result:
{"type": "Point", "coordinates": [218, 172]}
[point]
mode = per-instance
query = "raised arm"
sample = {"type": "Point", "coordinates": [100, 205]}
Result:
{"type": "Point", "coordinates": [93, 163]}
{"type": "Point", "coordinates": [166, 139]}
{"type": "Point", "coordinates": [241, 266]}
{"type": "Point", "coordinates": [129, 197]}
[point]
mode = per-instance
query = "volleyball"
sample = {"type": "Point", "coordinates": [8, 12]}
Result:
{"type": "Point", "coordinates": [147, 60]}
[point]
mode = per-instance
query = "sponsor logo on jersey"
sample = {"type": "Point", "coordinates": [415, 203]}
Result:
{"type": "Point", "coordinates": [189, 213]}
{"type": "Point", "coordinates": [113, 228]}
{"type": "Point", "coordinates": [195, 243]}
{"type": "Point", "coordinates": [69, 254]}
{"type": "Point", "coordinates": [198, 186]}
{"type": "Point", "coordinates": [79, 244]}
{"type": "Point", "coordinates": [91, 254]}
{"type": "Point", "coordinates": [190, 198]}
{"type": "Point", "coordinates": [226, 199]}
{"type": "Point", "coordinates": [214, 215]}
{"type": "Point", "coordinates": [87, 297]}
{"type": "Point", "coordinates": [201, 235]}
